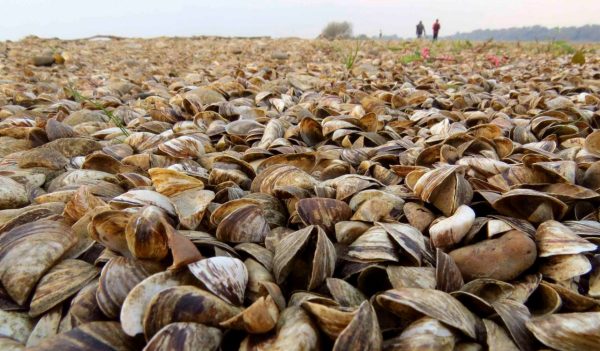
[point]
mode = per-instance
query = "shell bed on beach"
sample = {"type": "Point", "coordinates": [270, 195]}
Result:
{"type": "Point", "coordinates": [214, 193]}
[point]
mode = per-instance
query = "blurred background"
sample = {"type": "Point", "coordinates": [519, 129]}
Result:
{"type": "Point", "coordinates": [69, 19]}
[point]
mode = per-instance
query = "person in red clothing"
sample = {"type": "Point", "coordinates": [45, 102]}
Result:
{"type": "Point", "coordinates": [436, 29]}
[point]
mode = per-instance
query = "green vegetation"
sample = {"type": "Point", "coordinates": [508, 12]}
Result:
{"type": "Point", "coordinates": [79, 98]}
{"type": "Point", "coordinates": [560, 47]}
{"type": "Point", "coordinates": [351, 57]}
{"type": "Point", "coordinates": [578, 58]}
{"type": "Point", "coordinates": [461, 45]}
{"type": "Point", "coordinates": [407, 59]}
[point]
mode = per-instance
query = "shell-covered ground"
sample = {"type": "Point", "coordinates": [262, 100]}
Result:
{"type": "Point", "coordinates": [259, 194]}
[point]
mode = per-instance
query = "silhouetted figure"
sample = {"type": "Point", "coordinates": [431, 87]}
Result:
{"type": "Point", "coordinates": [380, 34]}
{"type": "Point", "coordinates": [420, 29]}
{"type": "Point", "coordinates": [436, 29]}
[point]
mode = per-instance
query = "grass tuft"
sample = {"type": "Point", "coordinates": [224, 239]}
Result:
{"type": "Point", "coordinates": [410, 58]}
{"type": "Point", "coordinates": [351, 57]}
{"type": "Point", "coordinates": [79, 98]}
{"type": "Point", "coordinates": [560, 47]}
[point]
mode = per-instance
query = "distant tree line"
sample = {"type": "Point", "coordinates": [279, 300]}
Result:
{"type": "Point", "coordinates": [587, 33]}
{"type": "Point", "coordinates": [584, 33]}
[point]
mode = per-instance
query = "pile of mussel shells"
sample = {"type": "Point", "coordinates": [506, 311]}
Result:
{"type": "Point", "coordinates": [254, 209]}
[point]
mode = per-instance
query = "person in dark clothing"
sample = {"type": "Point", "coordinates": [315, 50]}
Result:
{"type": "Point", "coordinates": [436, 29]}
{"type": "Point", "coordinates": [420, 29]}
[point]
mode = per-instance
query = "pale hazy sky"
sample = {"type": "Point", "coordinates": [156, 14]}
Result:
{"type": "Point", "coordinates": [303, 18]}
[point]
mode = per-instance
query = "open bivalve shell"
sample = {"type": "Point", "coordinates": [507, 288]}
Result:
{"type": "Point", "coordinates": [531, 205]}
{"type": "Point", "coordinates": [225, 277]}
{"type": "Point", "coordinates": [567, 331]}
{"type": "Point", "coordinates": [553, 238]}
{"type": "Point", "coordinates": [445, 187]}
{"type": "Point", "coordinates": [117, 278]}
{"type": "Point", "coordinates": [134, 306]}
{"type": "Point", "coordinates": [258, 318]}
{"type": "Point", "coordinates": [28, 251]}
{"type": "Point", "coordinates": [185, 303]}
{"type": "Point", "coordinates": [59, 283]}
{"type": "Point", "coordinates": [309, 248]}
{"type": "Point", "coordinates": [146, 235]}
{"type": "Point", "coordinates": [433, 303]}
{"type": "Point", "coordinates": [425, 333]}
{"type": "Point", "coordinates": [186, 337]}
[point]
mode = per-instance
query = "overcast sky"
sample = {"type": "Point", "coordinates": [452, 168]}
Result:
{"type": "Point", "coordinates": [278, 18]}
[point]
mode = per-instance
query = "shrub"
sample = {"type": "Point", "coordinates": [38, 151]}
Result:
{"type": "Point", "coordinates": [337, 30]}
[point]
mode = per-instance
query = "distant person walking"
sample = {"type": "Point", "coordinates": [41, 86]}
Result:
{"type": "Point", "coordinates": [436, 29]}
{"type": "Point", "coordinates": [420, 29]}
